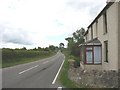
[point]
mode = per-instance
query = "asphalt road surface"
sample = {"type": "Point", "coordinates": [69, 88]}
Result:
{"type": "Point", "coordinates": [38, 74]}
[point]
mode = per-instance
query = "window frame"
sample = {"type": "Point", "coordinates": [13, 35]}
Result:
{"type": "Point", "coordinates": [105, 30]}
{"type": "Point", "coordinates": [106, 51]}
{"type": "Point", "coordinates": [93, 62]}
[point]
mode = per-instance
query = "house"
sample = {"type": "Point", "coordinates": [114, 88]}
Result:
{"type": "Point", "coordinates": [101, 49]}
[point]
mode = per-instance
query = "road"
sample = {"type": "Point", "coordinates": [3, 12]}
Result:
{"type": "Point", "coordinates": [38, 74]}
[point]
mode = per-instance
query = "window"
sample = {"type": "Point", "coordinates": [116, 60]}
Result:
{"type": "Point", "coordinates": [89, 58]}
{"type": "Point", "coordinates": [106, 50]}
{"type": "Point", "coordinates": [89, 55]}
{"type": "Point", "coordinates": [105, 23]}
{"type": "Point", "coordinates": [93, 55]}
{"type": "Point", "coordinates": [89, 49]}
{"type": "Point", "coordinates": [97, 54]}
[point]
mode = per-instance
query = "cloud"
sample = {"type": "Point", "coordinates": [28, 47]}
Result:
{"type": "Point", "coordinates": [92, 7]}
{"type": "Point", "coordinates": [79, 4]}
{"type": "Point", "coordinates": [44, 22]}
{"type": "Point", "coordinates": [15, 36]}
{"type": "Point", "coordinates": [85, 4]}
{"type": "Point", "coordinates": [96, 8]}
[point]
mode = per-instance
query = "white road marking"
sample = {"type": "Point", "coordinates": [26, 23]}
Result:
{"type": "Point", "coordinates": [59, 88]}
{"type": "Point", "coordinates": [28, 69]}
{"type": "Point", "coordinates": [0, 79]}
{"type": "Point", "coordinates": [58, 71]}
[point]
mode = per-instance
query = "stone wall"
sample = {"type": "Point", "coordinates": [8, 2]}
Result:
{"type": "Point", "coordinates": [94, 78]}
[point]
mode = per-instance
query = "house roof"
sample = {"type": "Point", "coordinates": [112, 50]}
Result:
{"type": "Point", "coordinates": [94, 41]}
{"type": "Point", "coordinates": [104, 9]}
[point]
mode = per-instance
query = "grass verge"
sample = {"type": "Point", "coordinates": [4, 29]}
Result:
{"type": "Point", "coordinates": [0, 65]}
{"type": "Point", "coordinates": [24, 60]}
{"type": "Point", "coordinates": [63, 77]}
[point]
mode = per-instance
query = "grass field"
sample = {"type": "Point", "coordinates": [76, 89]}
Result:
{"type": "Point", "coordinates": [22, 61]}
{"type": "Point", "coordinates": [21, 57]}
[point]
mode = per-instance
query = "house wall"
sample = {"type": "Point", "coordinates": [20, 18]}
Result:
{"type": "Point", "coordinates": [93, 67]}
{"type": "Point", "coordinates": [94, 30]}
{"type": "Point", "coordinates": [119, 35]}
{"type": "Point", "coordinates": [90, 67]}
{"type": "Point", "coordinates": [111, 36]}
{"type": "Point", "coordinates": [86, 38]}
{"type": "Point", "coordinates": [89, 34]}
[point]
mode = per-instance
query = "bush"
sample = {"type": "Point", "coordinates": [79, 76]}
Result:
{"type": "Point", "coordinates": [77, 60]}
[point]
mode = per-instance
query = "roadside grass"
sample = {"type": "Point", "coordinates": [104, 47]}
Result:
{"type": "Point", "coordinates": [63, 77]}
{"type": "Point", "coordinates": [24, 60]}
{"type": "Point", "coordinates": [0, 65]}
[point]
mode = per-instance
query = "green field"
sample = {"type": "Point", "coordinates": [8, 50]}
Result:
{"type": "Point", "coordinates": [12, 57]}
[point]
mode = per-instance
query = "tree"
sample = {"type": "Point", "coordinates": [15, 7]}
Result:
{"type": "Point", "coordinates": [52, 47]}
{"type": "Point", "coordinates": [46, 49]}
{"type": "Point", "coordinates": [75, 41]}
{"type": "Point", "coordinates": [24, 48]}
{"type": "Point", "coordinates": [40, 49]}
{"type": "Point", "coordinates": [78, 36]}
{"type": "Point", "coordinates": [61, 45]}
{"type": "Point", "coordinates": [70, 41]}
{"type": "Point", "coordinates": [70, 44]}
{"type": "Point", "coordinates": [35, 48]}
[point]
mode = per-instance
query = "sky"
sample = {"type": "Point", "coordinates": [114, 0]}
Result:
{"type": "Point", "coordinates": [33, 23]}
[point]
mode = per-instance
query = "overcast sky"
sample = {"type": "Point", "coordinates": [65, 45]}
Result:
{"type": "Point", "coordinates": [33, 23]}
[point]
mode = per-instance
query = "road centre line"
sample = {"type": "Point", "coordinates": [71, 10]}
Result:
{"type": "Point", "coordinates": [28, 69]}
{"type": "Point", "coordinates": [58, 72]}
{"type": "Point", "coordinates": [59, 88]}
